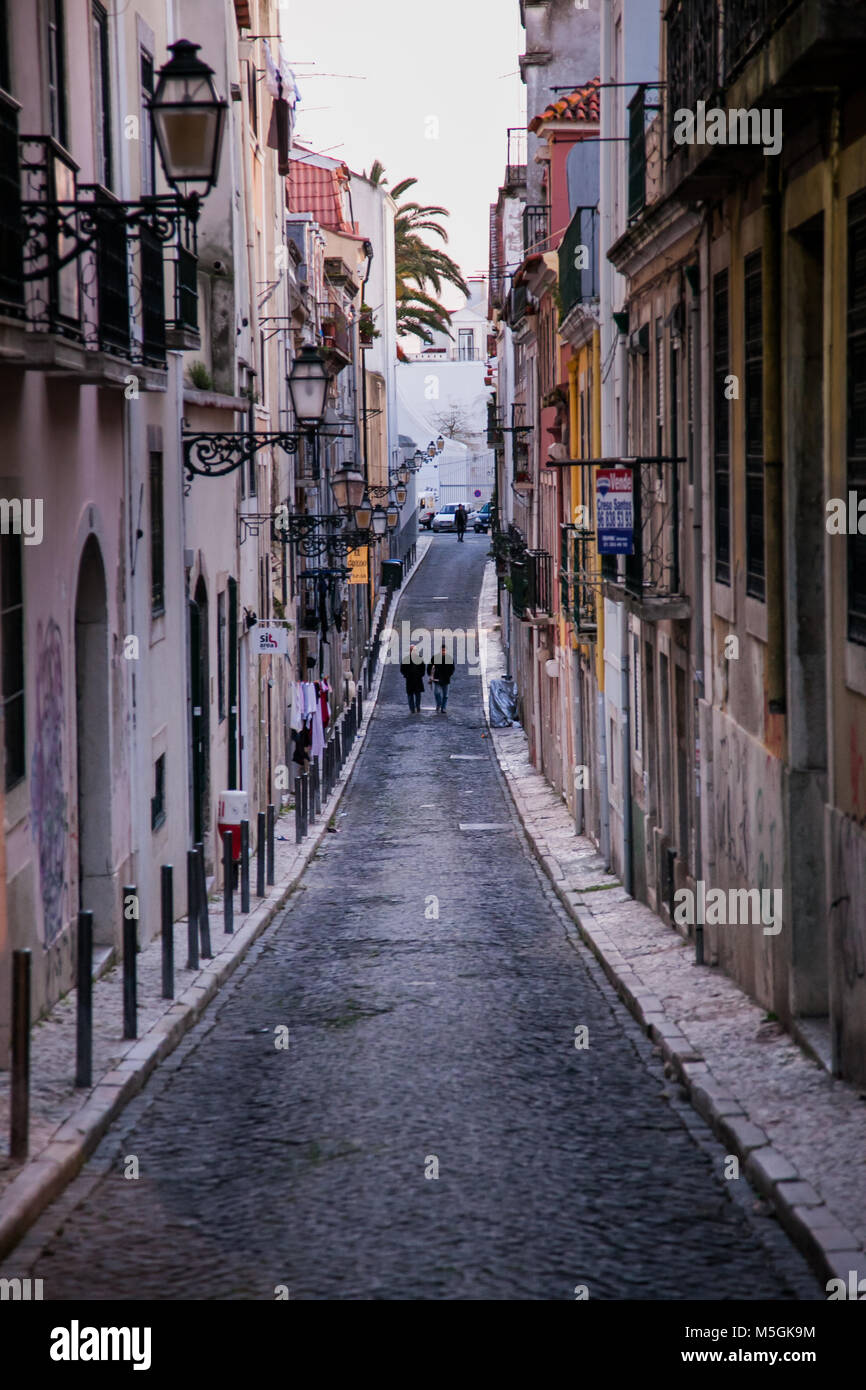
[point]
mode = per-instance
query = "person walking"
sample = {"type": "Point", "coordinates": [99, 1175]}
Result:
{"type": "Point", "coordinates": [412, 671]}
{"type": "Point", "coordinates": [460, 520]}
{"type": "Point", "coordinates": [441, 669]}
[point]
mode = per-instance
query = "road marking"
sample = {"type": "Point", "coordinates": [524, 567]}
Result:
{"type": "Point", "coordinates": [469, 757]}
{"type": "Point", "coordinates": [483, 825]}
{"type": "Point", "coordinates": [438, 596]}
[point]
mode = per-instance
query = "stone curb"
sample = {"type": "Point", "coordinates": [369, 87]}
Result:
{"type": "Point", "coordinates": [829, 1247]}
{"type": "Point", "coordinates": [43, 1179]}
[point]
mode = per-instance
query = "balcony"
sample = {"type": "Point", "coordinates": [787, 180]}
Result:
{"type": "Point", "coordinates": [536, 229]}
{"type": "Point", "coordinates": [336, 335]}
{"type": "Point", "coordinates": [531, 585]}
{"type": "Point", "coordinates": [580, 584]}
{"type": "Point", "coordinates": [652, 571]}
{"type": "Point", "coordinates": [515, 168]}
{"type": "Point", "coordinates": [495, 425]}
{"type": "Point", "coordinates": [83, 273]}
{"type": "Point", "coordinates": [519, 304]}
{"type": "Point", "coordinates": [578, 261]}
{"type": "Point", "coordinates": [747, 56]}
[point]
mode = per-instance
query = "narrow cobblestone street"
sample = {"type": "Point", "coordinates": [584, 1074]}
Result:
{"type": "Point", "coordinates": [416, 1041]}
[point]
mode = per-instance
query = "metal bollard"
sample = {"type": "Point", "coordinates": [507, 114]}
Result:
{"type": "Point", "coordinates": [338, 750]}
{"type": "Point", "coordinates": [84, 1002]}
{"type": "Point", "coordinates": [228, 884]}
{"type": "Point", "coordinates": [19, 1133]}
{"type": "Point", "coordinates": [305, 801]}
{"type": "Point", "coordinates": [191, 910]}
{"type": "Point", "coordinates": [203, 911]}
{"type": "Point", "coordinates": [299, 833]}
{"type": "Point", "coordinates": [260, 854]}
{"type": "Point", "coordinates": [167, 912]}
{"type": "Point", "coordinates": [699, 945]}
{"type": "Point", "coordinates": [245, 866]}
{"type": "Point", "coordinates": [311, 793]}
{"type": "Point", "coordinates": [317, 787]}
{"type": "Point", "coordinates": [272, 817]}
{"type": "Point", "coordinates": [130, 982]}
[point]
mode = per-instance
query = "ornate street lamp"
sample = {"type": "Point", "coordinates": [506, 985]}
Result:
{"type": "Point", "coordinates": [431, 449]}
{"type": "Point", "coordinates": [392, 515]}
{"type": "Point", "coordinates": [380, 521]}
{"type": "Point", "coordinates": [364, 514]}
{"type": "Point", "coordinates": [403, 473]}
{"type": "Point", "coordinates": [347, 486]}
{"type": "Point", "coordinates": [440, 444]}
{"type": "Point", "coordinates": [188, 120]}
{"type": "Point", "coordinates": [308, 387]}
{"type": "Point", "coordinates": [401, 493]}
{"type": "Point", "coordinates": [418, 459]}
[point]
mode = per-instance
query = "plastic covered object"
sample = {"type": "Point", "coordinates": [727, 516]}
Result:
{"type": "Point", "coordinates": [503, 703]}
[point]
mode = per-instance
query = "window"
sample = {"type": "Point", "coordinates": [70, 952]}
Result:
{"type": "Point", "coordinates": [252, 94]}
{"type": "Point", "coordinates": [101, 93]}
{"type": "Point", "coordinates": [856, 429]}
{"type": "Point", "coordinates": [157, 537]}
{"type": "Point", "coordinates": [56, 69]}
{"type": "Point", "coordinates": [660, 387]}
{"type": "Point", "coordinates": [157, 802]}
{"type": "Point", "coordinates": [754, 409]}
{"type": "Point", "coordinates": [721, 431]}
{"type": "Point", "coordinates": [148, 179]}
{"type": "Point", "coordinates": [466, 345]}
{"type": "Point", "coordinates": [221, 654]}
{"type": "Point", "coordinates": [12, 619]}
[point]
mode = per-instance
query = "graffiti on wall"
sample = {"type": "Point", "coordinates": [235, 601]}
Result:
{"type": "Point", "coordinates": [748, 800]}
{"type": "Point", "coordinates": [47, 794]}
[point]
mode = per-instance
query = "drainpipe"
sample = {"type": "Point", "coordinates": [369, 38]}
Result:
{"type": "Point", "coordinates": [697, 534]}
{"type": "Point", "coordinates": [773, 478]}
{"type": "Point", "coordinates": [625, 741]}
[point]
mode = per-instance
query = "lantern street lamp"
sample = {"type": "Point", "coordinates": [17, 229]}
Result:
{"type": "Point", "coordinates": [392, 515]}
{"type": "Point", "coordinates": [188, 120]}
{"type": "Point", "coordinates": [347, 485]}
{"type": "Point", "coordinates": [380, 521]}
{"type": "Point", "coordinates": [440, 444]}
{"type": "Point", "coordinates": [400, 492]}
{"type": "Point", "coordinates": [364, 514]}
{"type": "Point", "coordinates": [418, 459]}
{"type": "Point", "coordinates": [431, 450]}
{"type": "Point", "coordinates": [403, 473]}
{"type": "Point", "coordinates": [308, 387]}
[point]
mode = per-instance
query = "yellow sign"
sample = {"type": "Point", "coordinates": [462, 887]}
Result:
{"type": "Point", "coordinates": [358, 563]}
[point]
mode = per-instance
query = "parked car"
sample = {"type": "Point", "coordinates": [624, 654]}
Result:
{"type": "Point", "coordinates": [425, 517]}
{"type": "Point", "coordinates": [480, 520]}
{"type": "Point", "coordinates": [444, 518]}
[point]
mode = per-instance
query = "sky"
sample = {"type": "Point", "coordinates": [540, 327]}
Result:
{"type": "Point", "coordinates": [429, 87]}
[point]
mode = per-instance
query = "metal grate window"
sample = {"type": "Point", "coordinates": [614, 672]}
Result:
{"type": "Point", "coordinates": [856, 425]}
{"type": "Point", "coordinates": [754, 411]}
{"type": "Point", "coordinates": [721, 431]}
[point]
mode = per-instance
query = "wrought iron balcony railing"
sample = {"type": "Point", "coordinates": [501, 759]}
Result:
{"type": "Point", "coordinates": [531, 584]}
{"type": "Point", "coordinates": [77, 263]}
{"type": "Point", "coordinates": [495, 424]}
{"type": "Point", "coordinates": [518, 302]}
{"type": "Point", "coordinates": [692, 46]}
{"type": "Point", "coordinates": [11, 249]}
{"type": "Point", "coordinates": [335, 329]}
{"type": "Point", "coordinates": [536, 228]}
{"type": "Point", "coordinates": [580, 584]}
{"type": "Point", "coordinates": [515, 168]}
{"type": "Point", "coordinates": [653, 570]}
{"type": "Point", "coordinates": [747, 24]}
{"type": "Point", "coordinates": [578, 260]}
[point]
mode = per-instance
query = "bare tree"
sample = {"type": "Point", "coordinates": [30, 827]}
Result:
{"type": "Point", "coordinates": [454, 421]}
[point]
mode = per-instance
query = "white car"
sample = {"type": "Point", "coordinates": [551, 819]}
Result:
{"type": "Point", "coordinates": [444, 518]}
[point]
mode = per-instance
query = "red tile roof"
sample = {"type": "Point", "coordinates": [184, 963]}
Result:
{"type": "Point", "coordinates": [580, 105]}
{"type": "Point", "coordinates": [310, 188]}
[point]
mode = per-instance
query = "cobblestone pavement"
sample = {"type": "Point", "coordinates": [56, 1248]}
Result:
{"type": "Point", "coordinates": [415, 1041]}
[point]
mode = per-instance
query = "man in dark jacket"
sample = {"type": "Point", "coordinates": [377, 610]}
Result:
{"type": "Point", "coordinates": [460, 520]}
{"type": "Point", "coordinates": [441, 669]}
{"type": "Point", "coordinates": [412, 672]}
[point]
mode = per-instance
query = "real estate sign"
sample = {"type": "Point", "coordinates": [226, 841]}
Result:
{"type": "Point", "coordinates": [614, 511]}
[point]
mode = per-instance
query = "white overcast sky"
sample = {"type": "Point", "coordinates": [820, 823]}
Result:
{"type": "Point", "coordinates": [454, 60]}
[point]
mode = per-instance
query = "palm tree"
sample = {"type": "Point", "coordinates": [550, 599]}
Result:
{"type": "Point", "coordinates": [420, 267]}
